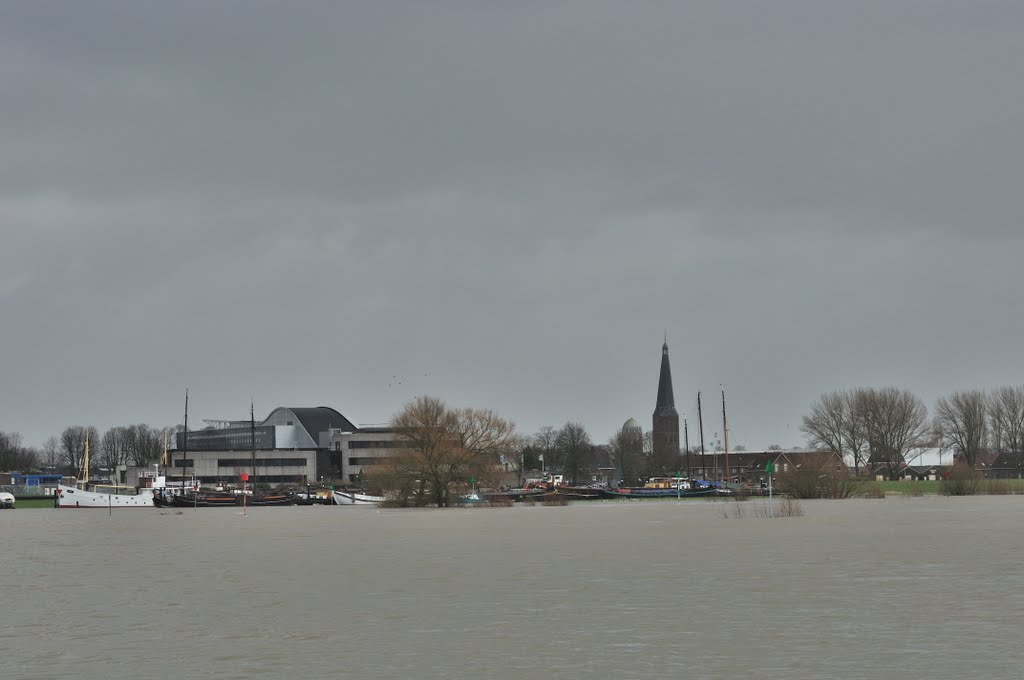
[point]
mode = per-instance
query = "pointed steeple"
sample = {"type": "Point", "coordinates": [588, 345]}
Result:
{"type": "Point", "coordinates": [666, 404]}
{"type": "Point", "coordinates": [665, 422]}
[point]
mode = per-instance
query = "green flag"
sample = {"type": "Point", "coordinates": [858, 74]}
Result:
{"type": "Point", "coordinates": [770, 467]}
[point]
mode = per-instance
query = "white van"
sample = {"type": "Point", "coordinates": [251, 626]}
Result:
{"type": "Point", "coordinates": [6, 500]}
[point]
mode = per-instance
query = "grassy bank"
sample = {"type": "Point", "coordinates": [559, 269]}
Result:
{"type": "Point", "coordinates": [928, 487]}
{"type": "Point", "coordinates": [44, 502]}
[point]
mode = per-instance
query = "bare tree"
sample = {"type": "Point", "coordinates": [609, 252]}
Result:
{"type": "Point", "coordinates": [145, 444]}
{"type": "Point", "coordinates": [447, 448]}
{"type": "Point", "coordinates": [16, 456]}
{"type": "Point", "coordinates": [836, 423]}
{"type": "Point", "coordinates": [575, 447]}
{"type": "Point", "coordinates": [73, 447]}
{"type": "Point", "coordinates": [517, 457]}
{"type": "Point", "coordinates": [826, 421]}
{"type": "Point", "coordinates": [626, 450]}
{"type": "Point", "coordinates": [10, 445]}
{"type": "Point", "coordinates": [483, 433]}
{"type": "Point", "coordinates": [1006, 416]}
{"type": "Point", "coordinates": [545, 441]}
{"type": "Point", "coordinates": [112, 448]}
{"type": "Point", "coordinates": [963, 423]}
{"type": "Point", "coordinates": [51, 454]}
{"type": "Point", "coordinates": [895, 421]}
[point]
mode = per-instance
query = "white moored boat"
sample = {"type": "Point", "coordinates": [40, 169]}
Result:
{"type": "Point", "coordinates": [151, 484]}
{"type": "Point", "coordinates": [355, 498]}
{"type": "Point", "coordinates": [70, 497]}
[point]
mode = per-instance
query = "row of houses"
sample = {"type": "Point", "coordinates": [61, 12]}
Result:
{"type": "Point", "coordinates": [921, 464]}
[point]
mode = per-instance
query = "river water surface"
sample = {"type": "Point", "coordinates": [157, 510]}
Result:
{"type": "Point", "coordinates": [928, 587]}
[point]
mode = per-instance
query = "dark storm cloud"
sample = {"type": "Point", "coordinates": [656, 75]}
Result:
{"type": "Point", "coordinates": [507, 203]}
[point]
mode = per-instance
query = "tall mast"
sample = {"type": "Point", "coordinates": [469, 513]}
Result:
{"type": "Point", "coordinates": [686, 443]}
{"type": "Point", "coordinates": [184, 448]}
{"type": "Point", "coordinates": [700, 421]}
{"type": "Point", "coordinates": [85, 461]}
{"type": "Point", "coordinates": [252, 441]}
{"type": "Point", "coordinates": [725, 431]}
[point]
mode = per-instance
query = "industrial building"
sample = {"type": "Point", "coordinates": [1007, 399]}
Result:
{"type": "Point", "coordinates": [292, 445]}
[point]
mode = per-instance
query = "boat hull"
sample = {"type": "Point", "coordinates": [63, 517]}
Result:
{"type": "Point", "coordinates": [355, 498]}
{"type": "Point", "coordinates": [660, 493]}
{"type": "Point", "coordinates": [70, 497]}
{"type": "Point", "coordinates": [230, 500]}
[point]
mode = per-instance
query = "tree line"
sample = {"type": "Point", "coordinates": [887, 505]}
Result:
{"type": "Point", "coordinates": [878, 427]}
{"type": "Point", "coordinates": [138, 445]}
{"type": "Point", "coordinates": [449, 450]}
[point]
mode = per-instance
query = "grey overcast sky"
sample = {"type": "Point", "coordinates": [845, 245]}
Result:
{"type": "Point", "coordinates": [506, 205]}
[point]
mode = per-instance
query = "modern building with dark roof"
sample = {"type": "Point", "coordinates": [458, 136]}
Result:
{"type": "Point", "coordinates": [292, 445]}
{"type": "Point", "coordinates": [284, 428]}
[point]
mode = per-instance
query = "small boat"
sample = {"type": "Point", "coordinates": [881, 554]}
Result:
{"type": "Point", "coordinates": [309, 497]}
{"type": "Point", "coordinates": [205, 499]}
{"type": "Point", "coordinates": [221, 499]}
{"type": "Point", "coordinates": [521, 494]}
{"type": "Point", "coordinates": [579, 493]}
{"type": "Point", "coordinates": [6, 500]}
{"type": "Point", "coordinates": [271, 498]}
{"type": "Point", "coordinates": [646, 492]}
{"type": "Point", "coordinates": [345, 497]}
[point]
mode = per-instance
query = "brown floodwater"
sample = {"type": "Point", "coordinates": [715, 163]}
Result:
{"type": "Point", "coordinates": [929, 587]}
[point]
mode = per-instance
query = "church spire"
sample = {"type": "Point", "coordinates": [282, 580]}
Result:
{"type": "Point", "coordinates": [665, 433]}
{"type": "Point", "coordinates": [666, 404]}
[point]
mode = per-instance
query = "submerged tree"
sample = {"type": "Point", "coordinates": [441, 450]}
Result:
{"type": "Point", "coordinates": [446, 448]}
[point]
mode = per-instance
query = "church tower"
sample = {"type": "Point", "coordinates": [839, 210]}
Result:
{"type": "Point", "coordinates": [665, 433]}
